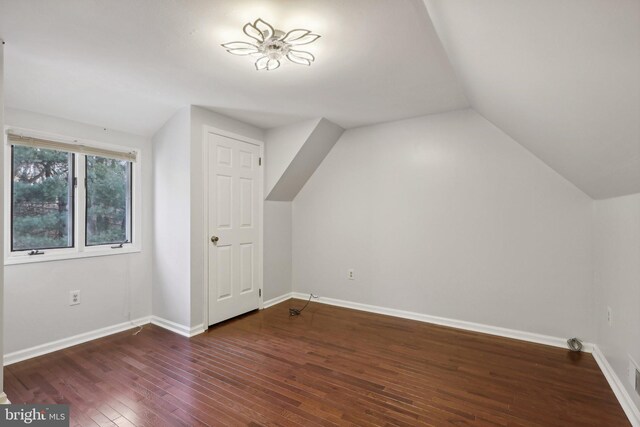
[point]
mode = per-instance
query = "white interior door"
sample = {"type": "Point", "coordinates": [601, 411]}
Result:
{"type": "Point", "coordinates": [235, 178]}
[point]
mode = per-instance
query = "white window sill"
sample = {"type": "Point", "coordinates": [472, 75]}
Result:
{"type": "Point", "coordinates": [59, 255]}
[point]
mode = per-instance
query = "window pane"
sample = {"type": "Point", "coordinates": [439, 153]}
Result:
{"type": "Point", "coordinates": [108, 218]}
{"type": "Point", "coordinates": [41, 199]}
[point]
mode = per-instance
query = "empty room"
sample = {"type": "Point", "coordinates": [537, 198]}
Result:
{"type": "Point", "coordinates": [320, 213]}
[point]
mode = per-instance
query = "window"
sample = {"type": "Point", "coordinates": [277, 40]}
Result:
{"type": "Point", "coordinates": [67, 200]}
{"type": "Point", "coordinates": [42, 199]}
{"type": "Point", "coordinates": [108, 192]}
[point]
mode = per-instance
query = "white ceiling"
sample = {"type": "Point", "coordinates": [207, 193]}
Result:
{"type": "Point", "coordinates": [562, 77]}
{"type": "Point", "coordinates": [130, 65]}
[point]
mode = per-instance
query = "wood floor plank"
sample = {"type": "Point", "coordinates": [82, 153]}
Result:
{"type": "Point", "coordinates": [329, 366]}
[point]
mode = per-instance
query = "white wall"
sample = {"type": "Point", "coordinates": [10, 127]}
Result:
{"type": "Point", "coordinates": [36, 295]}
{"type": "Point", "coordinates": [277, 249]}
{"type": "Point", "coordinates": [617, 282]}
{"type": "Point", "coordinates": [178, 279]}
{"type": "Point", "coordinates": [171, 220]}
{"type": "Point", "coordinates": [448, 216]}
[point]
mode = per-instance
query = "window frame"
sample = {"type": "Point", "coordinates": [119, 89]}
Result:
{"type": "Point", "coordinates": [79, 248]}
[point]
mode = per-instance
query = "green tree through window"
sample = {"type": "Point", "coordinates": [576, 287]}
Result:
{"type": "Point", "coordinates": [42, 199]}
{"type": "Point", "coordinates": [108, 208]}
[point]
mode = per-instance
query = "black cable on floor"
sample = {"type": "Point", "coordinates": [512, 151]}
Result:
{"type": "Point", "coordinates": [297, 311]}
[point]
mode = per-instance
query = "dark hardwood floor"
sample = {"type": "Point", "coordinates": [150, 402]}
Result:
{"type": "Point", "coordinates": [329, 366]}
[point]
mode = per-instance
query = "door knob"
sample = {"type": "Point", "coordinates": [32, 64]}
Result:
{"type": "Point", "coordinates": [214, 240]}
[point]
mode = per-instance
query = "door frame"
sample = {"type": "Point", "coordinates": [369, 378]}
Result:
{"type": "Point", "coordinates": [206, 130]}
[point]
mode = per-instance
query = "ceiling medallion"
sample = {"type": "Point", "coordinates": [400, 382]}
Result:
{"type": "Point", "coordinates": [272, 46]}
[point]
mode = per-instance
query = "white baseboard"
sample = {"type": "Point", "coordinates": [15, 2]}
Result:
{"type": "Point", "coordinates": [626, 401]}
{"type": "Point", "coordinates": [277, 300]}
{"type": "Point", "coordinates": [630, 409]}
{"type": "Point", "coordinates": [39, 350]}
{"type": "Point", "coordinates": [178, 328]}
{"type": "Point", "coordinates": [443, 321]}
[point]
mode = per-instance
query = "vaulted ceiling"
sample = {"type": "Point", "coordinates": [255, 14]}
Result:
{"type": "Point", "coordinates": [559, 76]}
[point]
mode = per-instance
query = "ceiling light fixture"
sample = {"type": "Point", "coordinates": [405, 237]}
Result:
{"type": "Point", "coordinates": [272, 45]}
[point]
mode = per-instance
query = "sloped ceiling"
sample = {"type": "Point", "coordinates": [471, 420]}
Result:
{"type": "Point", "coordinates": [561, 77]}
{"type": "Point", "coordinates": [281, 146]}
{"type": "Point", "coordinates": [302, 159]}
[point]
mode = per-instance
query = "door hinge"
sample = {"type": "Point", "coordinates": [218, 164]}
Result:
{"type": "Point", "coordinates": [259, 292]}
{"type": "Point", "coordinates": [75, 181]}
{"type": "Point", "coordinates": [259, 161]}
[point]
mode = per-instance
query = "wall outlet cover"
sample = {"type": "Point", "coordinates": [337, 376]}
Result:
{"type": "Point", "coordinates": [351, 274]}
{"type": "Point", "coordinates": [74, 297]}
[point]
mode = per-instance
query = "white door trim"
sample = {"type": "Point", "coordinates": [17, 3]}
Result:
{"type": "Point", "coordinates": [206, 130]}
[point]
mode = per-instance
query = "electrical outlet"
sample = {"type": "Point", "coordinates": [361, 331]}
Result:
{"type": "Point", "coordinates": [74, 297]}
{"type": "Point", "coordinates": [351, 274]}
{"type": "Point", "coordinates": [634, 374]}
{"type": "Point", "coordinates": [609, 316]}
